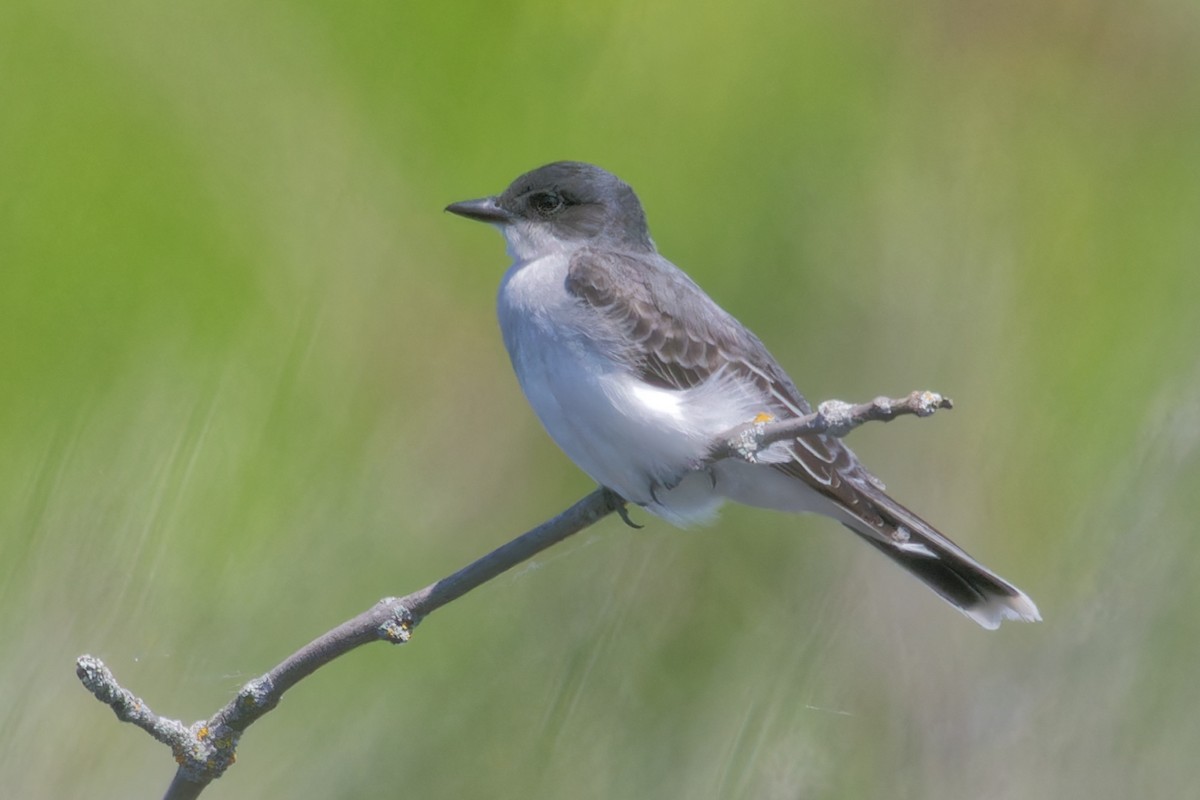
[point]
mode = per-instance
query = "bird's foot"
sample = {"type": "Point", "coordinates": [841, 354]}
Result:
{"type": "Point", "coordinates": [621, 506]}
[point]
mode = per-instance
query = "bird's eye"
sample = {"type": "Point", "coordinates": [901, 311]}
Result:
{"type": "Point", "coordinates": [546, 204]}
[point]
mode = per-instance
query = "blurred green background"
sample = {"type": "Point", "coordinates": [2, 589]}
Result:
{"type": "Point", "coordinates": [250, 382]}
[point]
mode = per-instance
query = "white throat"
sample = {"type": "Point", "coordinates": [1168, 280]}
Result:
{"type": "Point", "coordinates": [528, 241]}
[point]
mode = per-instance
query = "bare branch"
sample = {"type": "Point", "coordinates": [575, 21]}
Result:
{"type": "Point", "coordinates": [100, 682]}
{"type": "Point", "coordinates": [832, 418]}
{"type": "Point", "coordinates": [207, 748]}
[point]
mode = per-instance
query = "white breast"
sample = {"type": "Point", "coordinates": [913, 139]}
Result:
{"type": "Point", "coordinates": [636, 439]}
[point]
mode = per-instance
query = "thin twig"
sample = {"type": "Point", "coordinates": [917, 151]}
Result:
{"type": "Point", "coordinates": [207, 748]}
{"type": "Point", "coordinates": [832, 418]}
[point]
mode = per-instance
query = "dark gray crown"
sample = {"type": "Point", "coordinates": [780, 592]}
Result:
{"type": "Point", "coordinates": [580, 201]}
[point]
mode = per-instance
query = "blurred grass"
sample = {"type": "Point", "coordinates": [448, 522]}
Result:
{"type": "Point", "coordinates": [251, 382]}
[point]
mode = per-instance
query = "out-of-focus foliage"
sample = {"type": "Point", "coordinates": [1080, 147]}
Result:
{"type": "Point", "coordinates": [250, 382]}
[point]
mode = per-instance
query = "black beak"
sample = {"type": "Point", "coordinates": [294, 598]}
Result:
{"type": "Point", "coordinates": [485, 209]}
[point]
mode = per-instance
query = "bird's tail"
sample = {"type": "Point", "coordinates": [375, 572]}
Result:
{"type": "Point", "coordinates": [959, 579]}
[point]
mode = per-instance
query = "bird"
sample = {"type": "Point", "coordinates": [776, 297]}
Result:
{"type": "Point", "coordinates": [633, 370]}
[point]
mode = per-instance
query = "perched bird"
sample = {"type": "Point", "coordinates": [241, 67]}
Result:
{"type": "Point", "coordinates": [634, 371]}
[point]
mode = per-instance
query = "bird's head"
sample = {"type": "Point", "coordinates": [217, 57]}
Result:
{"type": "Point", "coordinates": [564, 204]}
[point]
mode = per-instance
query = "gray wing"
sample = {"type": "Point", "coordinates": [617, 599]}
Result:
{"type": "Point", "coordinates": [676, 337]}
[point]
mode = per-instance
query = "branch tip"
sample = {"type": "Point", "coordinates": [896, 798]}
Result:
{"type": "Point", "coordinates": [832, 418]}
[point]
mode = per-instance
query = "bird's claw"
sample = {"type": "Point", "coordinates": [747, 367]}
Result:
{"type": "Point", "coordinates": [620, 506]}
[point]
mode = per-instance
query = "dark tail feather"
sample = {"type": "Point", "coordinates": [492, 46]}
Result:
{"type": "Point", "coordinates": [959, 579]}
